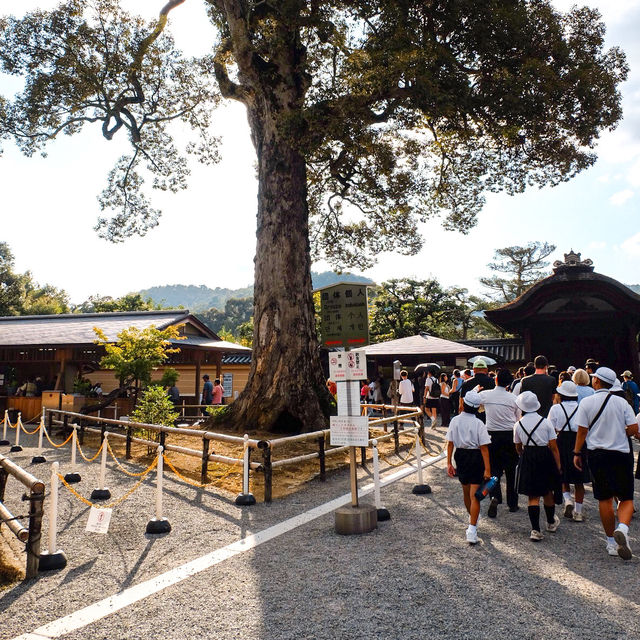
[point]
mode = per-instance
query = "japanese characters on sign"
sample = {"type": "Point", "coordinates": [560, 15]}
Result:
{"type": "Point", "coordinates": [352, 431]}
{"type": "Point", "coordinates": [344, 315]}
{"type": "Point", "coordinates": [348, 365]}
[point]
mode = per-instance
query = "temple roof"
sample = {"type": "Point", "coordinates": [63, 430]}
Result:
{"type": "Point", "coordinates": [421, 344]}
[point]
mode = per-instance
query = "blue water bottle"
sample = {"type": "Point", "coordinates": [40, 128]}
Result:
{"type": "Point", "coordinates": [484, 490]}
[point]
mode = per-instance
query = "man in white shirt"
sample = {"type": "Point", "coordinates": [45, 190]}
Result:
{"type": "Point", "coordinates": [502, 413]}
{"type": "Point", "coordinates": [405, 389]}
{"type": "Point", "coordinates": [606, 422]}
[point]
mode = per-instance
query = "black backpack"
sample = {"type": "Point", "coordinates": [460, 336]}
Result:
{"type": "Point", "coordinates": [435, 389]}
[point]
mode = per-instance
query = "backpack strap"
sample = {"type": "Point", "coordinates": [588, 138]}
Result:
{"type": "Point", "coordinates": [567, 418]}
{"type": "Point", "coordinates": [602, 406]}
{"type": "Point", "coordinates": [530, 433]}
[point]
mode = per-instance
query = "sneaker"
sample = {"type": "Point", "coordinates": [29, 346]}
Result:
{"type": "Point", "coordinates": [552, 527]}
{"type": "Point", "coordinates": [536, 536]}
{"type": "Point", "coordinates": [568, 509]}
{"type": "Point", "coordinates": [577, 517]}
{"type": "Point", "coordinates": [492, 512]}
{"type": "Point", "coordinates": [472, 537]}
{"type": "Point", "coordinates": [624, 550]}
{"type": "Point", "coordinates": [612, 549]}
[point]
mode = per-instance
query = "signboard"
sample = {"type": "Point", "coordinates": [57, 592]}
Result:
{"type": "Point", "coordinates": [348, 398]}
{"type": "Point", "coordinates": [348, 365]}
{"type": "Point", "coordinates": [352, 431]}
{"type": "Point", "coordinates": [99, 520]}
{"type": "Point", "coordinates": [227, 385]}
{"type": "Point", "coordinates": [344, 318]}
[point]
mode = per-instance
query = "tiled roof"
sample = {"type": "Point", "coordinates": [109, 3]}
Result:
{"type": "Point", "coordinates": [220, 345]}
{"type": "Point", "coordinates": [420, 345]}
{"type": "Point", "coordinates": [77, 328]}
{"type": "Point", "coordinates": [507, 350]}
{"type": "Point", "coordinates": [236, 358]}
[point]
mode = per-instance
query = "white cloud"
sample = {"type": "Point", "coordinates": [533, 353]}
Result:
{"type": "Point", "coordinates": [631, 245]}
{"type": "Point", "coordinates": [633, 176]}
{"type": "Point", "coordinates": [621, 197]}
{"type": "Point", "coordinates": [596, 245]}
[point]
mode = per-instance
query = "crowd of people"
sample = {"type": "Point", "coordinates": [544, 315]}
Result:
{"type": "Point", "coordinates": [546, 432]}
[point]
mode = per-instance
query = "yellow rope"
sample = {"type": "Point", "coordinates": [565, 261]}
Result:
{"type": "Point", "coordinates": [402, 460]}
{"type": "Point", "coordinates": [82, 454]}
{"type": "Point", "coordinates": [128, 473]}
{"type": "Point", "coordinates": [57, 446]}
{"type": "Point", "coordinates": [115, 502]}
{"type": "Point", "coordinates": [201, 485]}
{"type": "Point", "coordinates": [30, 433]}
{"type": "Point", "coordinates": [11, 426]}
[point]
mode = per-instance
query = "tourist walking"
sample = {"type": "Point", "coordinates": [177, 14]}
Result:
{"type": "Point", "coordinates": [454, 395]}
{"type": "Point", "coordinates": [501, 413]}
{"type": "Point", "coordinates": [207, 393]}
{"type": "Point", "coordinates": [541, 384]}
{"type": "Point", "coordinates": [479, 379]}
{"type": "Point", "coordinates": [405, 389]}
{"type": "Point", "coordinates": [563, 418]}
{"type": "Point", "coordinates": [445, 402]}
{"type": "Point", "coordinates": [631, 391]}
{"type": "Point", "coordinates": [539, 465]}
{"type": "Point", "coordinates": [606, 423]}
{"type": "Point", "coordinates": [582, 381]}
{"type": "Point", "coordinates": [469, 437]}
{"type": "Point", "coordinates": [432, 392]}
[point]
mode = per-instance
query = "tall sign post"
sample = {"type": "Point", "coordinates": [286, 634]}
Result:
{"type": "Point", "coordinates": [351, 429]}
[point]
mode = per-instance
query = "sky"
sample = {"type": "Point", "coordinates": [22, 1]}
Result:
{"type": "Point", "coordinates": [48, 206]}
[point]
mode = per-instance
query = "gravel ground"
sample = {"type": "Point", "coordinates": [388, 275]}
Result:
{"type": "Point", "coordinates": [414, 576]}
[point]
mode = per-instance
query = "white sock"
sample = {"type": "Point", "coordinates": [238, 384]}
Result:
{"type": "Point", "coordinates": [473, 528]}
{"type": "Point", "coordinates": [578, 507]}
{"type": "Point", "coordinates": [610, 540]}
{"type": "Point", "coordinates": [624, 528]}
{"type": "Point", "coordinates": [567, 496]}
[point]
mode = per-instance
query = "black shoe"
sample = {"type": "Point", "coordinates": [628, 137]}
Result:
{"type": "Point", "coordinates": [514, 509]}
{"type": "Point", "coordinates": [493, 508]}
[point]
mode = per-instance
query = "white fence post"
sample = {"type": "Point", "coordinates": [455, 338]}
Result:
{"type": "Point", "coordinates": [73, 476]}
{"type": "Point", "coordinates": [420, 488]}
{"type": "Point", "coordinates": [101, 492]}
{"type": "Point", "coordinates": [159, 524]}
{"type": "Point", "coordinates": [245, 498]}
{"type": "Point", "coordinates": [4, 442]}
{"type": "Point", "coordinates": [16, 447]}
{"type": "Point", "coordinates": [54, 558]}
{"type": "Point", "coordinates": [383, 514]}
{"type": "Point", "coordinates": [39, 457]}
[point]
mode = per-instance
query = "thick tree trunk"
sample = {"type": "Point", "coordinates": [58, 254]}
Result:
{"type": "Point", "coordinates": [286, 390]}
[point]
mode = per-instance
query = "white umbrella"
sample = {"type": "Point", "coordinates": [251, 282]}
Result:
{"type": "Point", "coordinates": [486, 359]}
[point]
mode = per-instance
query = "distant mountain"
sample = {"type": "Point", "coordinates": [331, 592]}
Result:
{"type": "Point", "coordinates": [634, 287]}
{"type": "Point", "coordinates": [201, 298]}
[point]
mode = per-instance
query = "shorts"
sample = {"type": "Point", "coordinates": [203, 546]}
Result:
{"type": "Point", "coordinates": [469, 466]}
{"type": "Point", "coordinates": [611, 474]}
{"type": "Point", "coordinates": [432, 403]}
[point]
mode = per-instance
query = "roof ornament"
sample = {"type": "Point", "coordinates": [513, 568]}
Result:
{"type": "Point", "coordinates": [573, 262]}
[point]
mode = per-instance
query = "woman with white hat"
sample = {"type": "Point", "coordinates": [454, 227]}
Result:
{"type": "Point", "coordinates": [469, 436]}
{"type": "Point", "coordinates": [562, 417]}
{"type": "Point", "coordinates": [539, 464]}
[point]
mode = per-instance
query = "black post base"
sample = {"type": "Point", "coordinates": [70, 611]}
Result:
{"type": "Point", "coordinates": [15, 448]}
{"type": "Point", "coordinates": [4, 443]}
{"type": "Point", "coordinates": [38, 459]}
{"type": "Point", "coordinates": [158, 526]}
{"type": "Point", "coordinates": [72, 478]}
{"type": "Point", "coordinates": [421, 489]}
{"type": "Point", "coordinates": [245, 499]}
{"type": "Point", "coordinates": [100, 494]}
{"type": "Point", "coordinates": [52, 561]}
{"type": "Point", "coordinates": [383, 514]}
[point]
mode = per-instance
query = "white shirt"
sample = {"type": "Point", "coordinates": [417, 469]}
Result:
{"type": "Point", "coordinates": [541, 436]}
{"type": "Point", "coordinates": [466, 431]}
{"type": "Point", "coordinates": [501, 409]}
{"type": "Point", "coordinates": [609, 431]}
{"type": "Point", "coordinates": [516, 388]}
{"type": "Point", "coordinates": [406, 390]}
{"type": "Point", "coordinates": [428, 383]}
{"type": "Point", "coordinates": [558, 419]}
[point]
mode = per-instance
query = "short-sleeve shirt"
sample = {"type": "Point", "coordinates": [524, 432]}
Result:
{"type": "Point", "coordinates": [500, 408]}
{"type": "Point", "coordinates": [218, 392]}
{"type": "Point", "coordinates": [480, 379]}
{"type": "Point", "coordinates": [609, 430]}
{"type": "Point", "coordinates": [428, 384]}
{"type": "Point", "coordinates": [584, 392]}
{"type": "Point", "coordinates": [541, 436]}
{"type": "Point", "coordinates": [544, 387]}
{"type": "Point", "coordinates": [467, 432]}
{"type": "Point", "coordinates": [406, 390]}
{"type": "Point", "coordinates": [558, 418]}
{"type": "Point", "coordinates": [207, 392]}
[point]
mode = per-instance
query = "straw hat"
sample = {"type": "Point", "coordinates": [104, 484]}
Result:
{"type": "Point", "coordinates": [528, 402]}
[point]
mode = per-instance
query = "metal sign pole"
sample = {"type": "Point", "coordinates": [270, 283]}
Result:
{"type": "Point", "coordinates": [353, 465]}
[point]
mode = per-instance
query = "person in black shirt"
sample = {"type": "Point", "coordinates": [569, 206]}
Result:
{"type": "Point", "coordinates": [543, 385]}
{"type": "Point", "coordinates": [481, 379]}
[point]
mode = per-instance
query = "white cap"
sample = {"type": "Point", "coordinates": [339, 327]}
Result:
{"type": "Point", "coordinates": [528, 402]}
{"type": "Point", "coordinates": [473, 399]}
{"type": "Point", "coordinates": [571, 369]}
{"type": "Point", "coordinates": [616, 386]}
{"type": "Point", "coordinates": [606, 375]}
{"type": "Point", "coordinates": [568, 389]}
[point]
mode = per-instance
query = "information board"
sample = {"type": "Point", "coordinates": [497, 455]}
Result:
{"type": "Point", "coordinates": [348, 365]}
{"type": "Point", "coordinates": [344, 318]}
{"type": "Point", "coordinates": [227, 385]}
{"type": "Point", "coordinates": [352, 431]}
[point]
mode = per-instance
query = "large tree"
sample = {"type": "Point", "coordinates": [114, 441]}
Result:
{"type": "Point", "coordinates": [367, 116]}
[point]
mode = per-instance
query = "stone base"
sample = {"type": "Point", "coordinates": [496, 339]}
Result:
{"type": "Point", "coordinates": [158, 526]}
{"type": "Point", "coordinates": [4, 443]}
{"type": "Point", "coordinates": [383, 515]}
{"type": "Point", "coordinates": [100, 494]}
{"type": "Point", "coordinates": [15, 448]}
{"type": "Point", "coordinates": [72, 478]}
{"type": "Point", "coordinates": [38, 459]}
{"type": "Point", "coordinates": [421, 489]}
{"type": "Point", "coordinates": [52, 561]}
{"type": "Point", "coordinates": [353, 520]}
{"type": "Point", "coordinates": [245, 499]}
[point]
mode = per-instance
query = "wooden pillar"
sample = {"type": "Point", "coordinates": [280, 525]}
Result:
{"type": "Point", "coordinates": [527, 345]}
{"type": "Point", "coordinates": [219, 365]}
{"type": "Point", "coordinates": [197, 356]}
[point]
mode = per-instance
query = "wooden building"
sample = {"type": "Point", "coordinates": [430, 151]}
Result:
{"type": "Point", "coordinates": [576, 314]}
{"type": "Point", "coordinates": [61, 347]}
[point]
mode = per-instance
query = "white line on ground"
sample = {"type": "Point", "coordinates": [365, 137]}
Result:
{"type": "Point", "coordinates": [106, 607]}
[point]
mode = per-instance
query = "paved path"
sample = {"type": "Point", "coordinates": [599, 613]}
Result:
{"type": "Point", "coordinates": [415, 576]}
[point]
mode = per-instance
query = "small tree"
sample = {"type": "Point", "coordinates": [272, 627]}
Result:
{"type": "Point", "coordinates": [136, 353]}
{"type": "Point", "coordinates": [169, 377]}
{"type": "Point", "coordinates": [155, 407]}
{"type": "Point", "coordinates": [525, 265]}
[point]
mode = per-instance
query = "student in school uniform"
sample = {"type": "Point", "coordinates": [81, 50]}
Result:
{"type": "Point", "coordinates": [539, 464]}
{"type": "Point", "coordinates": [606, 423]}
{"type": "Point", "coordinates": [563, 418]}
{"type": "Point", "coordinates": [469, 436]}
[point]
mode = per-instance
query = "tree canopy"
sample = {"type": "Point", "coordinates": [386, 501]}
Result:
{"type": "Point", "coordinates": [128, 302]}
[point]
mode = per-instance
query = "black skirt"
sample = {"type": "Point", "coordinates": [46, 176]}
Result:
{"type": "Point", "coordinates": [537, 472]}
{"type": "Point", "coordinates": [566, 446]}
{"type": "Point", "coordinates": [469, 466]}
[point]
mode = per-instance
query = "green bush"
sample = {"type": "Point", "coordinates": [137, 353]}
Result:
{"type": "Point", "coordinates": [154, 407]}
